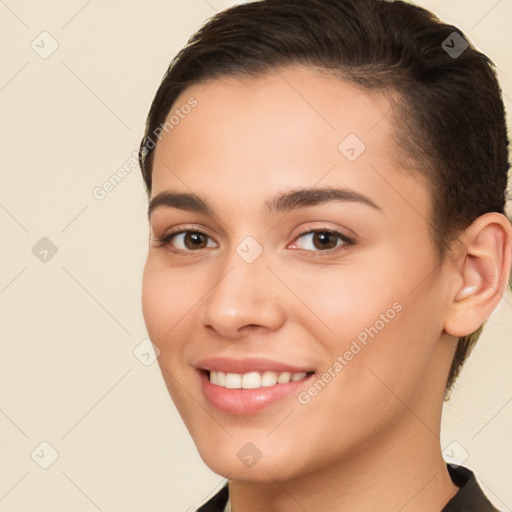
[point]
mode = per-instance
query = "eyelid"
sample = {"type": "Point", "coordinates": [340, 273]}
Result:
{"type": "Point", "coordinates": [318, 226]}
{"type": "Point", "coordinates": [170, 234]}
{"type": "Point", "coordinates": [347, 241]}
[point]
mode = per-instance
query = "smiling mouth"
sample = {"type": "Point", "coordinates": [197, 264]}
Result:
{"type": "Point", "coordinates": [254, 379]}
{"type": "Point", "coordinates": [250, 392]}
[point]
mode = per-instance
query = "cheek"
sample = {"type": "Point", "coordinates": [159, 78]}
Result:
{"type": "Point", "coordinates": [382, 320]}
{"type": "Point", "coordinates": [155, 301]}
{"type": "Point", "coordinates": [387, 338]}
{"type": "Point", "coordinates": [167, 297]}
{"type": "Point", "coordinates": [344, 299]}
{"type": "Point", "coordinates": [167, 303]}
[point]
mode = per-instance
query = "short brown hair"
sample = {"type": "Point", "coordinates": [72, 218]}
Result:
{"type": "Point", "coordinates": [450, 119]}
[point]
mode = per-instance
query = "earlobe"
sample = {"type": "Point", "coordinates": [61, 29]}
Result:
{"type": "Point", "coordinates": [481, 273]}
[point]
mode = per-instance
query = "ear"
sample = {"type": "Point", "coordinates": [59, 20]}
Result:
{"type": "Point", "coordinates": [480, 273]}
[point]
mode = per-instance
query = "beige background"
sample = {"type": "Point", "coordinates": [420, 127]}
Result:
{"type": "Point", "coordinates": [69, 376]}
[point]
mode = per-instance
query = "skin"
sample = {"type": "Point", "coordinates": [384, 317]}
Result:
{"type": "Point", "coordinates": [370, 439]}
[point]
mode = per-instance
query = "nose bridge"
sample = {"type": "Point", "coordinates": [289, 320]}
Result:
{"type": "Point", "coordinates": [243, 294]}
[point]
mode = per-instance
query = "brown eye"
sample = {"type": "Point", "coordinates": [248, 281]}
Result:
{"type": "Point", "coordinates": [322, 240]}
{"type": "Point", "coordinates": [186, 241]}
{"type": "Point", "coordinates": [325, 240]}
{"type": "Point", "coordinates": [195, 240]}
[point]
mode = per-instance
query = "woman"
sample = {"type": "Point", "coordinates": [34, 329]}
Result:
{"type": "Point", "coordinates": [327, 238]}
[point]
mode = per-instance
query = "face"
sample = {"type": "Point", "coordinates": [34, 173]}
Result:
{"type": "Point", "coordinates": [293, 291]}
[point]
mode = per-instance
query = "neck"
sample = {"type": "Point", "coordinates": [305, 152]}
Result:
{"type": "Point", "coordinates": [404, 472]}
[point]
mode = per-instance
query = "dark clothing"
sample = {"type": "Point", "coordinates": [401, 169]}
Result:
{"type": "Point", "coordinates": [217, 503]}
{"type": "Point", "coordinates": [469, 498]}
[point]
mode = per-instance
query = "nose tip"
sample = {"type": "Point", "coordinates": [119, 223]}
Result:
{"type": "Point", "coordinates": [243, 300]}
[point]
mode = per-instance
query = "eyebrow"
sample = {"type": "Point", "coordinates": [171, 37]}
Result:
{"type": "Point", "coordinates": [282, 202]}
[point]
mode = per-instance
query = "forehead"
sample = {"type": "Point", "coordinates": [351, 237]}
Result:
{"type": "Point", "coordinates": [290, 127]}
{"type": "Point", "coordinates": [290, 104]}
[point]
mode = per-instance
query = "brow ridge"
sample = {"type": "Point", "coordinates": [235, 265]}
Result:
{"type": "Point", "coordinates": [282, 202]}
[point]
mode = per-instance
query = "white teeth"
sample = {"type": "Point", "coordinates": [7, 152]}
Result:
{"type": "Point", "coordinates": [233, 381]}
{"type": "Point", "coordinates": [253, 380]}
{"type": "Point", "coordinates": [268, 379]}
{"type": "Point", "coordinates": [221, 378]}
{"type": "Point", "coordinates": [284, 378]}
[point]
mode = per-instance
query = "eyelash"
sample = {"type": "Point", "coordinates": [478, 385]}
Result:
{"type": "Point", "coordinates": [166, 240]}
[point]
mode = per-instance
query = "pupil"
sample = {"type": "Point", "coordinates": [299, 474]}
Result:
{"type": "Point", "coordinates": [324, 238]}
{"type": "Point", "coordinates": [195, 239]}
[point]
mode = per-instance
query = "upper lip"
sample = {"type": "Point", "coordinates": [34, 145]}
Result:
{"type": "Point", "coordinates": [248, 364]}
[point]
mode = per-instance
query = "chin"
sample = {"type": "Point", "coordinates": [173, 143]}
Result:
{"type": "Point", "coordinates": [244, 461]}
{"type": "Point", "coordinates": [262, 471]}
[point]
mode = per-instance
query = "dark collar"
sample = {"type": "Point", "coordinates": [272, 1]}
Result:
{"type": "Point", "coordinates": [469, 498]}
{"type": "Point", "coordinates": [217, 503]}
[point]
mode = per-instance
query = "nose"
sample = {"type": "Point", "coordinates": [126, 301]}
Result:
{"type": "Point", "coordinates": [245, 297]}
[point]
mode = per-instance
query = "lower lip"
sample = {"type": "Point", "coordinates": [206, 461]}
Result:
{"type": "Point", "coordinates": [248, 401]}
